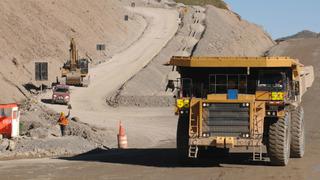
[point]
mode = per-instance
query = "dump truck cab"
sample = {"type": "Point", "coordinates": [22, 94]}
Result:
{"type": "Point", "coordinates": [230, 102]}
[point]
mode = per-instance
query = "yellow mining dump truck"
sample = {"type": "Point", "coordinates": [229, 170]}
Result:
{"type": "Point", "coordinates": [234, 102]}
{"type": "Point", "coordinates": [75, 70]}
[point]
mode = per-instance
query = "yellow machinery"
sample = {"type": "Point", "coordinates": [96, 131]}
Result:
{"type": "Point", "coordinates": [75, 70]}
{"type": "Point", "coordinates": [233, 102]}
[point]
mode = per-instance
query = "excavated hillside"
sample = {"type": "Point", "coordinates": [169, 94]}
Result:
{"type": "Point", "coordinates": [227, 34]}
{"type": "Point", "coordinates": [40, 30]}
{"type": "Point", "coordinates": [223, 33]}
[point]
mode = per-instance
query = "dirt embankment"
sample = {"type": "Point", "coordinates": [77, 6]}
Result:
{"type": "Point", "coordinates": [40, 30]}
{"type": "Point", "coordinates": [227, 34]}
{"type": "Point", "coordinates": [40, 135]}
{"type": "Point", "coordinates": [222, 33]}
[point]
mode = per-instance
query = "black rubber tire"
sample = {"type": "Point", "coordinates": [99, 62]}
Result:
{"type": "Point", "coordinates": [279, 141]}
{"type": "Point", "coordinates": [297, 146]}
{"type": "Point", "coordinates": [182, 139]}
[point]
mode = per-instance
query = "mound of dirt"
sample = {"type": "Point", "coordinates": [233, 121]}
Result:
{"type": "Point", "coordinates": [41, 135]}
{"type": "Point", "coordinates": [307, 50]}
{"type": "Point", "coordinates": [40, 30]}
{"type": "Point", "coordinates": [229, 35]}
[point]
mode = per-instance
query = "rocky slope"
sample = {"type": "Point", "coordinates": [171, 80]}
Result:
{"type": "Point", "coordinates": [228, 35]}
{"type": "Point", "coordinates": [225, 34]}
{"type": "Point", "coordinates": [40, 30]}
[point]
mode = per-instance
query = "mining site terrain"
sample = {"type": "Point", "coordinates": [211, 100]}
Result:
{"type": "Point", "coordinates": [128, 85]}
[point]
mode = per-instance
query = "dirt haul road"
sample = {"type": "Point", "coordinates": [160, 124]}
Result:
{"type": "Point", "coordinates": [89, 104]}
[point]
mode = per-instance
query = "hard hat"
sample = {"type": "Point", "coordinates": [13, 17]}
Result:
{"type": "Point", "coordinates": [61, 114]}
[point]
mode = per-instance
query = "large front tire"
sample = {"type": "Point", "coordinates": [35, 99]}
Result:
{"type": "Point", "coordinates": [297, 133]}
{"type": "Point", "coordinates": [279, 141]}
{"type": "Point", "coordinates": [182, 138]}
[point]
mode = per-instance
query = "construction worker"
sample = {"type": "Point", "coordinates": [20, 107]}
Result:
{"type": "Point", "coordinates": [63, 122]}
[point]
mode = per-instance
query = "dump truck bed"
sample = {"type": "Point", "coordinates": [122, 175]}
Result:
{"type": "Point", "coordinates": [234, 61]}
{"type": "Point", "coordinates": [304, 73]}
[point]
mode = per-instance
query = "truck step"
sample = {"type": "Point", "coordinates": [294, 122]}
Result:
{"type": "Point", "coordinates": [193, 151]}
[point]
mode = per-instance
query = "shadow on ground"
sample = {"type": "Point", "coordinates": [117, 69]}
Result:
{"type": "Point", "coordinates": [46, 101]}
{"type": "Point", "coordinates": [159, 157]}
{"type": "Point", "coordinates": [49, 101]}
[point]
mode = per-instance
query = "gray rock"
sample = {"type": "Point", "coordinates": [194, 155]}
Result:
{"type": "Point", "coordinates": [55, 131]}
{"type": "Point", "coordinates": [40, 133]}
{"type": "Point", "coordinates": [12, 145]}
{"type": "Point", "coordinates": [4, 143]}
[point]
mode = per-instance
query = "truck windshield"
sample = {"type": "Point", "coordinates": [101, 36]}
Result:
{"type": "Point", "coordinates": [270, 81]}
{"type": "Point", "coordinates": [5, 112]}
{"type": "Point", "coordinates": [62, 90]}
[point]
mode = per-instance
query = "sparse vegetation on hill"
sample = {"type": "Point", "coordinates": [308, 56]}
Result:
{"type": "Point", "coordinates": [218, 3]}
{"type": "Point", "coordinates": [301, 34]}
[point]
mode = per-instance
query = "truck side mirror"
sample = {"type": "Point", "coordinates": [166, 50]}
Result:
{"type": "Point", "coordinates": [296, 88]}
{"type": "Point", "coordinates": [172, 77]}
{"type": "Point", "coordinates": [170, 85]}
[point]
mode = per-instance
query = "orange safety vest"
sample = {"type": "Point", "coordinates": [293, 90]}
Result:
{"type": "Point", "coordinates": [63, 121]}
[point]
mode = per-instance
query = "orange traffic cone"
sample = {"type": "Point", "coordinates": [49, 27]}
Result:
{"type": "Point", "coordinates": [122, 138]}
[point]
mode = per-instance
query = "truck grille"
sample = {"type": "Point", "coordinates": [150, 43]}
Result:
{"type": "Point", "coordinates": [226, 119]}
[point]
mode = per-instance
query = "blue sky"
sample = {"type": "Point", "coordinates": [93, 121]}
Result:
{"type": "Point", "coordinates": [280, 17]}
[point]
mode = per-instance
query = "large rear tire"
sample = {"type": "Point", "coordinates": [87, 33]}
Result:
{"type": "Point", "coordinates": [297, 133]}
{"type": "Point", "coordinates": [182, 138]}
{"type": "Point", "coordinates": [279, 141]}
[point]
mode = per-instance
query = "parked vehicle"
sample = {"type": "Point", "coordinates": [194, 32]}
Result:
{"type": "Point", "coordinates": [9, 120]}
{"type": "Point", "coordinates": [61, 94]}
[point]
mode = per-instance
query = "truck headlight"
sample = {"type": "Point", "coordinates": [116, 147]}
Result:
{"type": "Point", "coordinates": [245, 104]}
{"type": "Point", "coordinates": [271, 113]}
{"type": "Point", "coordinates": [205, 134]}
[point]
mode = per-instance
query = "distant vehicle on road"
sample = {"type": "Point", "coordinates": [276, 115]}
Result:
{"type": "Point", "coordinates": [61, 94]}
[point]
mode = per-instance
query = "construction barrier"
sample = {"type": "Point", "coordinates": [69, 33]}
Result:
{"type": "Point", "coordinates": [9, 120]}
{"type": "Point", "coordinates": [122, 138]}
